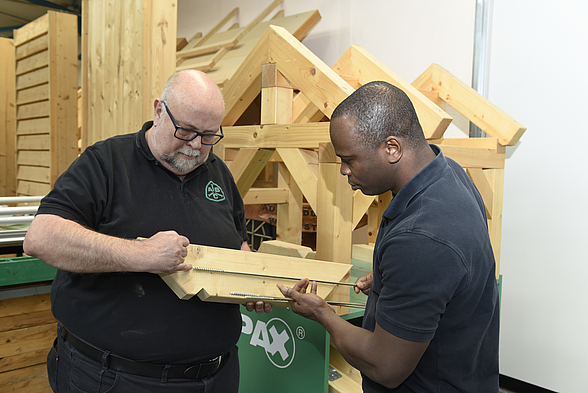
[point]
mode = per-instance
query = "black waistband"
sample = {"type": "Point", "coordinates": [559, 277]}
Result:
{"type": "Point", "coordinates": [192, 371]}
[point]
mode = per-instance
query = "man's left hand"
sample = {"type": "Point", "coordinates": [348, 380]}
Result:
{"type": "Point", "coordinates": [259, 307]}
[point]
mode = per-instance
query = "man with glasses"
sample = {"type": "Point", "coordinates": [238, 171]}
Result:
{"type": "Point", "coordinates": [121, 328]}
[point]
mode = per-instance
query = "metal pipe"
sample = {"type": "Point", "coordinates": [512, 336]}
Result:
{"type": "Point", "coordinates": [20, 199]}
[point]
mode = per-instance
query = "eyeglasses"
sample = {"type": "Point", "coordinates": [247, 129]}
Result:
{"type": "Point", "coordinates": [188, 134]}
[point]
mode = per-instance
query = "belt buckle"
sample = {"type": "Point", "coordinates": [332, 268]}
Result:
{"type": "Point", "coordinates": [194, 371]}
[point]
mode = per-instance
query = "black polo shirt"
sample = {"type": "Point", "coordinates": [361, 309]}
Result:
{"type": "Point", "coordinates": [117, 187]}
{"type": "Point", "coordinates": [434, 280]}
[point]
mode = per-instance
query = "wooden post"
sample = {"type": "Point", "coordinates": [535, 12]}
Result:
{"type": "Point", "coordinates": [7, 119]}
{"type": "Point", "coordinates": [128, 53]}
{"type": "Point", "coordinates": [334, 216]}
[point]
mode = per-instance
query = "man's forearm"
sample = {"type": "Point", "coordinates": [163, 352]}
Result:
{"type": "Point", "coordinates": [69, 246]}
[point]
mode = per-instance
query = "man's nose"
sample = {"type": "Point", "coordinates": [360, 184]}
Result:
{"type": "Point", "coordinates": [195, 143]}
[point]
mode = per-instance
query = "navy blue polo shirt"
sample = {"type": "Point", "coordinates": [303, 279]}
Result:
{"type": "Point", "coordinates": [117, 187]}
{"type": "Point", "coordinates": [434, 280]}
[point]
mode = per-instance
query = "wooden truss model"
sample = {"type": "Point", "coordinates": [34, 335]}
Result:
{"type": "Point", "coordinates": [298, 93]}
{"type": "Point", "coordinates": [234, 276]}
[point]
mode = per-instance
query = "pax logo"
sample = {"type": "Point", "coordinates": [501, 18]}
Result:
{"type": "Point", "coordinates": [275, 337]}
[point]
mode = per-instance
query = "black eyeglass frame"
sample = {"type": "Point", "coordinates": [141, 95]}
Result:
{"type": "Point", "coordinates": [196, 133]}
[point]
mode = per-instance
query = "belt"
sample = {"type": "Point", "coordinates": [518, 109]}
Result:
{"type": "Point", "coordinates": [192, 371]}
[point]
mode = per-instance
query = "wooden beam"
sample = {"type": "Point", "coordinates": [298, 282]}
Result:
{"type": "Point", "coordinates": [217, 286]}
{"type": "Point", "coordinates": [364, 65]}
{"type": "Point", "coordinates": [304, 136]}
{"type": "Point", "coordinates": [473, 157]}
{"type": "Point", "coordinates": [475, 107]}
{"type": "Point", "coordinates": [257, 196]}
{"type": "Point", "coordinates": [375, 212]}
{"type": "Point", "coordinates": [306, 71]}
{"type": "Point", "coordinates": [253, 169]}
{"type": "Point", "coordinates": [481, 182]}
{"type": "Point", "coordinates": [289, 215]}
{"type": "Point", "coordinates": [297, 164]}
{"type": "Point", "coordinates": [245, 84]}
{"type": "Point", "coordinates": [361, 204]}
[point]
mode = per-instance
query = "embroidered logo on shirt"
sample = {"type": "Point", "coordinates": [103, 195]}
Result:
{"type": "Point", "coordinates": [214, 192]}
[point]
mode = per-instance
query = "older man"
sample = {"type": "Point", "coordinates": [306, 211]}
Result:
{"type": "Point", "coordinates": [121, 327]}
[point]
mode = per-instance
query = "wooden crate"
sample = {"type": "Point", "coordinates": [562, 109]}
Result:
{"type": "Point", "coordinates": [27, 331]}
{"type": "Point", "coordinates": [46, 101]}
{"type": "Point", "coordinates": [7, 129]}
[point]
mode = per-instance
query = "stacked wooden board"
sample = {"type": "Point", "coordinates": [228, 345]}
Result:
{"type": "Point", "coordinates": [27, 331]}
{"type": "Point", "coordinates": [46, 101]}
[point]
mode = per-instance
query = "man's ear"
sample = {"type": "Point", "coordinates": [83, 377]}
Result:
{"type": "Point", "coordinates": [393, 149]}
{"type": "Point", "coordinates": [157, 111]}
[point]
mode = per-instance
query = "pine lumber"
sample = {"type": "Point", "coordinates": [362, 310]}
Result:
{"type": "Point", "coordinates": [216, 287]}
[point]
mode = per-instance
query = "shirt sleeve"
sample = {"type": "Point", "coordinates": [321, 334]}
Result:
{"type": "Point", "coordinates": [418, 277]}
{"type": "Point", "coordinates": [80, 193]}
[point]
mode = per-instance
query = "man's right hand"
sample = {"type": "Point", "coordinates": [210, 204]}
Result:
{"type": "Point", "coordinates": [164, 252]}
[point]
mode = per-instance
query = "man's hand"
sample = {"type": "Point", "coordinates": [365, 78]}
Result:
{"type": "Point", "coordinates": [309, 305]}
{"type": "Point", "coordinates": [259, 307]}
{"type": "Point", "coordinates": [364, 283]}
{"type": "Point", "coordinates": [164, 252]}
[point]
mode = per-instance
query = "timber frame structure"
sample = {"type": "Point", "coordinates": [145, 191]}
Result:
{"type": "Point", "coordinates": [298, 95]}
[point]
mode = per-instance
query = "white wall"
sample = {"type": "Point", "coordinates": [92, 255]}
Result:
{"type": "Point", "coordinates": [539, 52]}
{"type": "Point", "coordinates": [538, 63]}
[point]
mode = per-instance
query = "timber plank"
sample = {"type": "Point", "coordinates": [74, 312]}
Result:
{"type": "Point", "coordinates": [33, 142]}
{"type": "Point", "coordinates": [32, 94]}
{"type": "Point", "coordinates": [33, 30]}
{"type": "Point", "coordinates": [256, 196]}
{"type": "Point", "coordinates": [32, 63]}
{"type": "Point", "coordinates": [211, 286]}
{"type": "Point", "coordinates": [28, 304]}
{"type": "Point", "coordinates": [303, 135]}
{"type": "Point", "coordinates": [21, 379]}
{"type": "Point", "coordinates": [33, 78]}
{"type": "Point", "coordinates": [40, 125]}
{"type": "Point", "coordinates": [36, 45]}
{"type": "Point", "coordinates": [26, 319]}
{"type": "Point", "coordinates": [300, 170]}
{"type": "Point", "coordinates": [34, 158]}
{"type": "Point", "coordinates": [22, 360]}
{"type": "Point", "coordinates": [34, 173]}
{"type": "Point", "coordinates": [33, 110]}
{"type": "Point", "coordinates": [29, 339]}
{"type": "Point", "coordinates": [32, 188]}
{"type": "Point", "coordinates": [304, 70]}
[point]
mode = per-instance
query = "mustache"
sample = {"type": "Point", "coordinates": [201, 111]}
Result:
{"type": "Point", "coordinates": [189, 152]}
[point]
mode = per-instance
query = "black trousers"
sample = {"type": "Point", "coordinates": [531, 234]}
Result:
{"type": "Point", "coordinates": [70, 371]}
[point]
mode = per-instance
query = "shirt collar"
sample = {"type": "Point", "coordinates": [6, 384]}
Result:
{"type": "Point", "coordinates": [427, 176]}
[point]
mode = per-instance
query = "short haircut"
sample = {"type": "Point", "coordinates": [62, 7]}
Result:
{"type": "Point", "coordinates": [381, 110]}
